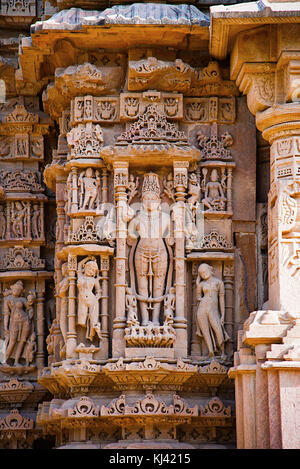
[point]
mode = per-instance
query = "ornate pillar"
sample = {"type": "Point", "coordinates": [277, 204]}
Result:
{"type": "Point", "coordinates": [71, 334]}
{"type": "Point", "coordinates": [104, 268]}
{"type": "Point", "coordinates": [180, 322]}
{"type": "Point", "coordinates": [271, 83]}
{"type": "Point", "coordinates": [119, 323]}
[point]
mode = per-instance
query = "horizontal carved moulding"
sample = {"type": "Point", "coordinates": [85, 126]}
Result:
{"type": "Point", "coordinates": [132, 105]}
{"type": "Point", "coordinates": [206, 110]}
{"type": "Point", "coordinates": [21, 146]}
{"type": "Point", "coordinates": [94, 109]}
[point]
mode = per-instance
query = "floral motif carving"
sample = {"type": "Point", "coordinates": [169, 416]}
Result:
{"type": "Point", "coordinates": [214, 148]}
{"type": "Point", "coordinates": [215, 408]}
{"type": "Point", "coordinates": [152, 128]}
{"type": "Point", "coordinates": [21, 259]}
{"type": "Point", "coordinates": [85, 141]}
{"type": "Point", "coordinates": [21, 181]}
{"type": "Point", "coordinates": [15, 421]}
{"type": "Point", "coordinates": [86, 233]}
{"type": "Point", "coordinates": [85, 407]}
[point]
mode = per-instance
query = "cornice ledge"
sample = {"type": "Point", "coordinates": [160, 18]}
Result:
{"type": "Point", "coordinates": [246, 14]}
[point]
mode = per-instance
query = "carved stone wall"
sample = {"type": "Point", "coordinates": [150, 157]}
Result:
{"type": "Point", "coordinates": [135, 232]}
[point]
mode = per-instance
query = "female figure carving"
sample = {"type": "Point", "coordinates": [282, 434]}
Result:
{"type": "Point", "coordinates": [62, 289]}
{"type": "Point", "coordinates": [18, 316]}
{"type": "Point", "coordinates": [89, 288]}
{"type": "Point", "coordinates": [211, 310]}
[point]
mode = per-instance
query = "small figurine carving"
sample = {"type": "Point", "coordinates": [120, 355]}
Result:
{"type": "Point", "coordinates": [30, 349]}
{"type": "Point", "coordinates": [89, 189]}
{"type": "Point", "coordinates": [169, 306]}
{"type": "Point", "coordinates": [36, 221]}
{"type": "Point", "coordinates": [151, 257]}
{"type": "Point", "coordinates": [18, 323]}
{"type": "Point", "coordinates": [132, 186]}
{"type": "Point", "coordinates": [131, 307]}
{"type": "Point", "coordinates": [168, 183]}
{"type": "Point", "coordinates": [214, 198]}
{"type": "Point", "coordinates": [62, 290]}
{"type": "Point", "coordinates": [211, 310]}
{"type": "Point", "coordinates": [18, 219]}
{"type": "Point", "coordinates": [88, 301]}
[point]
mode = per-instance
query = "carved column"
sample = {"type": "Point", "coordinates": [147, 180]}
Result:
{"type": "Point", "coordinates": [180, 322]}
{"type": "Point", "coordinates": [228, 277]}
{"type": "Point", "coordinates": [40, 356]}
{"type": "Point", "coordinates": [281, 127]}
{"type": "Point", "coordinates": [71, 334]}
{"type": "Point", "coordinates": [119, 323]}
{"type": "Point", "coordinates": [195, 343]}
{"type": "Point", "coordinates": [104, 268]}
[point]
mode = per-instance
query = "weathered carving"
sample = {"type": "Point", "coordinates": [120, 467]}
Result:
{"type": "Point", "coordinates": [214, 197]}
{"type": "Point", "coordinates": [18, 324]}
{"type": "Point", "coordinates": [211, 310]}
{"type": "Point", "coordinates": [94, 109]}
{"type": "Point", "coordinates": [89, 194]}
{"type": "Point", "coordinates": [148, 406]}
{"type": "Point", "coordinates": [21, 181]}
{"type": "Point", "coordinates": [88, 232]}
{"type": "Point", "coordinates": [85, 141]}
{"type": "Point", "coordinates": [152, 128]}
{"type": "Point", "coordinates": [85, 407]}
{"type": "Point", "coordinates": [214, 148]}
{"type": "Point", "coordinates": [20, 115]}
{"type": "Point", "coordinates": [209, 110]}
{"type": "Point", "coordinates": [21, 259]}
{"type": "Point", "coordinates": [168, 183]}
{"type": "Point", "coordinates": [132, 186]}
{"type": "Point", "coordinates": [14, 421]}
{"type": "Point", "coordinates": [149, 255]}
{"type": "Point", "coordinates": [215, 408]}
{"type": "Point", "coordinates": [89, 289]}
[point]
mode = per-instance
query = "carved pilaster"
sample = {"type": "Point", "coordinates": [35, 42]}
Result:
{"type": "Point", "coordinates": [180, 322]}
{"type": "Point", "coordinates": [120, 185]}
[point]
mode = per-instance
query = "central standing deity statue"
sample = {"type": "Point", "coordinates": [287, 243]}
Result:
{"type": "Point", "coordinates": [147, 233]}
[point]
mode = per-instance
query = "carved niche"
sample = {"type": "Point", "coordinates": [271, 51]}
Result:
{"type": "Point", "coordinates": [150, 268]}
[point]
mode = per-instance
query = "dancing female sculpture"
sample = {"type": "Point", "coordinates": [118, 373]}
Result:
{"type": "Point", "coordinates": [18, 316]}
{"type": "Point", "coordinates": [211, 310]}
{"type": "Point", "coordinates": [147, 229]}
{"type": "Point", "coordinates": [89, 288]}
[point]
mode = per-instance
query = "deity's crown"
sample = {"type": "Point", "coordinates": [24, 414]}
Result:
{"type": "Point", "coordinates": [151, 183]}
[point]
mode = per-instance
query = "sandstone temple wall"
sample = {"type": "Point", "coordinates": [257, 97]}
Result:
{"type": "Point", "coordinates": [149, 236]}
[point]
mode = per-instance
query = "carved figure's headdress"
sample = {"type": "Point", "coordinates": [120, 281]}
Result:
{"type": "Point", "coordinates": [151, 184]}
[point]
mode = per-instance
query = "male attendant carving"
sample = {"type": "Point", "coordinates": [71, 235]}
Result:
{"type": "Point", "coordinates": [89, 189]}
{"type": "Point", "coordinates": [18, 326]}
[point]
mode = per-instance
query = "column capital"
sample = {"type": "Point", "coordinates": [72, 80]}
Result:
{"type": "Point", "coordinates": [279, 121]}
